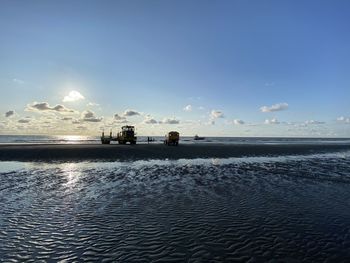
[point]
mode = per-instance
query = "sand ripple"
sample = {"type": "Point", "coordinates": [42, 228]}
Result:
{"type": "Point", "coordinates": [291, 209]}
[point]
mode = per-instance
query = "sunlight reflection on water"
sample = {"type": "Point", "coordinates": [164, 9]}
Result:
{"type": "Point", "coordinates": [72, 167]}
{"type": "Point", "coordinates": [72, 173]}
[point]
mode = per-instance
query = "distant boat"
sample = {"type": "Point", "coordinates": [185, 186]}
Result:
{"type": "Point", "coordinates": [197, 138]}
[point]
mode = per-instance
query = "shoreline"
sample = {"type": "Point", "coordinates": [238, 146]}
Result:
{"type": "Point", "coordinates": [115, 152]}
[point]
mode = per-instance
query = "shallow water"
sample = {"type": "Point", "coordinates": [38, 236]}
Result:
{"type": "Point", "coordinates": [76, 139]}
{"type": "Point", "coordinates": [260, 208]}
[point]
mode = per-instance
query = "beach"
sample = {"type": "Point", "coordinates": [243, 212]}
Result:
{"type": "Point", "coordinates": [115, 152]}
{"type": "Point", "coordinates": [293, 208]}
{"type": "Point", "coordinates": [204, 202]}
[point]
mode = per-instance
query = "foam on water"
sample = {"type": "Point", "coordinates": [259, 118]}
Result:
{"type": "Point", "coordinates": [256, 208]}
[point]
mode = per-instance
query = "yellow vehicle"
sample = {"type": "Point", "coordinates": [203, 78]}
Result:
{"type": "Point", "coordinates": [172, 138]}
{"type": "Point", "coordinates": [127, 134]}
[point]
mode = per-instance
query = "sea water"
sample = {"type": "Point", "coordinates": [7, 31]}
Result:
{"type": "Point", "coordinates": [77, 139]}
{"type": "Point", "coordinates": [288, 208]}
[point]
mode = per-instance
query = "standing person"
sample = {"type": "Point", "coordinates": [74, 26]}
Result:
{"type": "Point", "coordinates": [148, 140]}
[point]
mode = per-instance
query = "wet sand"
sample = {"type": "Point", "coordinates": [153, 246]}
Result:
{"type": "Point", "coordinates": [88, 152]}
{"type": "Point", "coordinates": [270, 209]}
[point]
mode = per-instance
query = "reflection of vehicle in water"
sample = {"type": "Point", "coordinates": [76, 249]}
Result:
{"type": "Point", "coordinates": [172, 138]}
{"type": "Point", "coordinates": [197, 138]}
{"type": "Point", "coordinates": [127, 134]}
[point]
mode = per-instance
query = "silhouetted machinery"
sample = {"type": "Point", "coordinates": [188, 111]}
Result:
{"type": "Point", "coordinates": [126, 135]}
{"type": "Point", "coordinates": [172, 138]}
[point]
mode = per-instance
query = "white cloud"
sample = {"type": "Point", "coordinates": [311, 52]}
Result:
{"type": "Point", "coordinates": [238, 122]}
{"type": "Point", "coordinates": [272, 121]}
{"type": "Point", "coordinates": [73, 96]}
{"type": "Point", "coordinates": [275, 107]}
{"type": "Point", "coordinates": [188, 108]}
{"type": "Point", "coordinates": [89, 116]}
{"type": "Point", "coordinates": [118, 117]}
{"type": "Point", "coordinates": [169, 121]}
{"type": "Point", "coordinates": [216, 114]}
{"type": "Point", "coordinates": [343, 119]}
{"type": "Point", "coordinates": [9, 113]}
{"type": "Point", "coordinates": [129, 113]}
{"type": "Point", "coordinates": [44, 106]}
{"type": "Point", "coordinates": [201, 108]}
{"type": "Point", "coordinates": [92, 104]}
{"type": "Point", "coordinates": [314, 122]}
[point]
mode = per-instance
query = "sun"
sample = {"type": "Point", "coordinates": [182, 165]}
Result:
{"type": "Point", "coordinates": [73, 96]}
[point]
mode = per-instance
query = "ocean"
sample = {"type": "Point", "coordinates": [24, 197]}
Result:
{"type": "Point", "coordinates": [248, 209]}
{"type": "Point", "coordinates": [76, 139]}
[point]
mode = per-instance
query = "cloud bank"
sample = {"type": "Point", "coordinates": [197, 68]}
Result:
{"type": "Point", "coordinates": [118, 117]}
{"type": "Point", "coordinates": [150, 121]}
{"type": "Point", "coordinates": [24, 121]}
{"type": "Point", "coordinates": [44, 106]}
{"type": "Point", "coordinates": [89, 116]}
{"type": "Point", "coordinates": [272, 121]}
{"type": "Point", "coordinates": [314, 122]}
{"type": "Point", "coordinates": [343, 119]}
{"type": "Point", "coordinates": [169, 121]}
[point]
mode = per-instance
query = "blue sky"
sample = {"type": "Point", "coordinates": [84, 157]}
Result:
{"type": "Point", "coordinates": [226, 59]}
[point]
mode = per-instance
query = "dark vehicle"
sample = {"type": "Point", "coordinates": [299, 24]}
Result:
{"type": "Point", "coordinates": [197, 138]}
{"type": "Point", "coordinates": [172, 138]}
{"type": "Point", "coordinates": [106, 140]}
{"type": "Point", "coordinates": [127, 134]}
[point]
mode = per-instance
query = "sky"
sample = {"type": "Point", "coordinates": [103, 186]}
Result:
{"type": "Point", "coordinates": [213, 68]}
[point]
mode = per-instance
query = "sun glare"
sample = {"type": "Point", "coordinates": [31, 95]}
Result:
{"type": "Point", "coordinates": [73, 96]}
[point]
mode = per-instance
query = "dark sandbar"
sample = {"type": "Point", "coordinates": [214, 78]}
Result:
{"type": "Point", "coordinates": [81, 152]}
